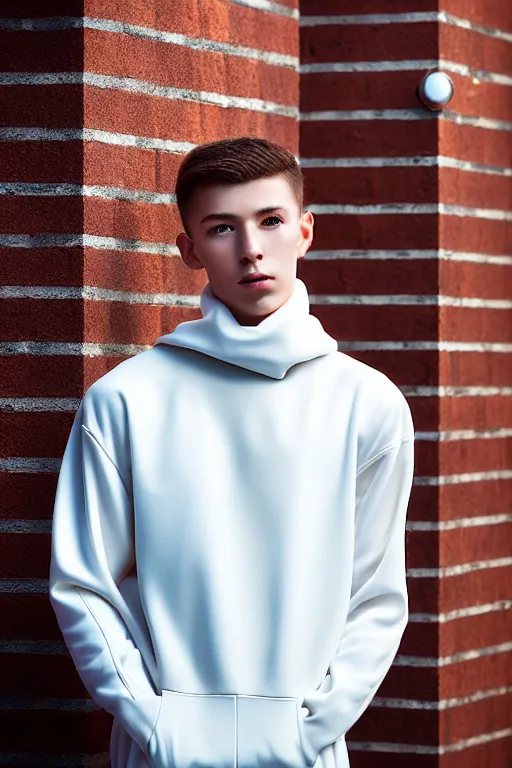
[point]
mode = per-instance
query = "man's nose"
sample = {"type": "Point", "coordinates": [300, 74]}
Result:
{"type": "Point", "coordinates": [250, 246]}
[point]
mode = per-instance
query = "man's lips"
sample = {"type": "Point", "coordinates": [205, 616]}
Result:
{"type": "Point", "coordinates": [254, 278]}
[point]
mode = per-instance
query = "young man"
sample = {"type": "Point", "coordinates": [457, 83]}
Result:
{"type": "Point", "coordinates": [228, 565]}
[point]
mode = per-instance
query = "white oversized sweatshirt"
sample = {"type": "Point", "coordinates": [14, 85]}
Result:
{"type": "Point", "coordinates": [228, 565]}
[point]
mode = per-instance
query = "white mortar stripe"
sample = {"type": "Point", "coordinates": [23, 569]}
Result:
{"type": "Point", "coordinates": [174, 299]}
{"type": "Point", "coordinates": [414, 161]}
{"type": "Point", "coordinates": [87, 241]}
{"type": "Point", "coordinates": [150, 33]}
{"type": "Point", "coordinates": [455, 658]}
{"type": "Point", "coordinates": [403, 18]}
{"type": "Point", "coordinates": [433, 346]}
{"type": "Point", "coordinates": [441, 704]}
{"type": "Point", "coordinates": [464, 434]}
{"type": "Point", "coordinates": [269, 7]}
{"type": "Point", "coordinates": [405, 114]}
{"type": "Point", "coordinates": [460, 613]}
{"type": "Point", "coordinates": [133, 85]}
{"type": "Point", "coordinates": [458, 570]}
{"type": "Point", "coordinates": [85, 190]}
{"type": "Point", "coordinates": [456, 391]}
{"type": "Point", "coordinates": [24, 586]}
{"type": "Point", "coordinates": [412, 300]}
{"type": "Point", "coordinates": [92, 134]}
{"type": "Point", "coordinates": [45, 703]}
{"type": "Point", "coordinates": [48, 760]}
{"type": "Point", "coordinates": [39, 404]}
{"type": "Point", "coordinates": [86, 348]}
{"type": "Point", "coordinates": [448, 18]}
{"type": "Point", "coordinates": [420, 749]}
{"type": "Point", "coordinates": [412, 255]}
{"type": "Point", "coordinates": [411, 208]}
{"type": "Point", "coordinates": [405, 65]}
{"type": "Point", "coordinates": [194, 43]}
{"type": "Point", "coordinates": [470, 477]}
{"type": "Point", "coordinates": [25, 526]}
{"type": "Point", "coordinates": [93, 350]}
{"type": "Point", "coordinates": [96, 294]}
{"type": "Point", "coordinates": [24, 464]}
{"type": "Point", "coordinates": [461, 522]}
{"type": "Point", "coordinates": [477, 122]}
{"type": "Point", "coordinates": [43, 647]}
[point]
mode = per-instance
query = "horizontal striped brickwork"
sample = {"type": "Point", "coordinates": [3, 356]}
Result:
{"type": "Point", "coordinates": [417, 286]}
{"type": "Point", "coordinates": [383, 160]}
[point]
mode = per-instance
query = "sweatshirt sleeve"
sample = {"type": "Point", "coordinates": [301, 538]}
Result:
{"type": "Point", "coordinates": [91, 567]}
{"type": "Point", "coordinates": [378, 608]}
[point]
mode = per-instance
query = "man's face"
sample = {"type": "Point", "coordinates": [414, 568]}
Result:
{"type": "Point", "coordinates": [230, 247]}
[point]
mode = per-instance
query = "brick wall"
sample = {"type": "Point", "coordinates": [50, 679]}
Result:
{"type": "Point", "coordinates": [409, 269]}
{"type": "Point", "coordinates": [413, 249]}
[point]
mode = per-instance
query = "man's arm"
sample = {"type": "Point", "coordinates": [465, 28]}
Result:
{"type": "Point", "coordinates": [92, 553]}
{"type": "Point", "coordinates": [378, 610]}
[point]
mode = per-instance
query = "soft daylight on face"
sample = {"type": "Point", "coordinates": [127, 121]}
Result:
{"type": "Point", "coordinates": [231, 248]}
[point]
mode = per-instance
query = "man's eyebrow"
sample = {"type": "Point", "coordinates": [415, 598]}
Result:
{"type": "Point", "coordinates": [233, 216]}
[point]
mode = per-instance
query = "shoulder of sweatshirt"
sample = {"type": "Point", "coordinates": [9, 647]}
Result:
{"type": "Point", "coordinates": [105, 406]}
{"type": "Point", "coordinates": [381, 415]}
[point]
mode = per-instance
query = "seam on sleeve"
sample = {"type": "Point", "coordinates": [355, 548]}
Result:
{"type": "Point", "coordinates": [108, 457]}
{"type": "Point", "coordinates": [384, 450]}
{"type": "Point", "coordinates": [119, 673]}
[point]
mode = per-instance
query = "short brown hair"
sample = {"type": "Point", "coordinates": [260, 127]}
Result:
{"type": "Point", "coordinates": [235, 161]}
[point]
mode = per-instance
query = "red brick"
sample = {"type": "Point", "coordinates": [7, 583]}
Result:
{"type": "Point", "coordinates": [369, 138]}
{"type": "Point", "coordinates": [26, 615]}
{"type": "Point", "coordinates": [43, 730]}
{"type": "Point", "coordinates": [467, 677]}
{"type": "Point", "coordinates": [24, 555]}
{"type": "Point", "coordinates": [480, 631]}
{"type": "Point", "coordinates": [362, 276]}
{"type": "Point", "coordinates": [22, 51]}
{"type": "Point", "coordinates": [42, 433]}
{"type": "Point", "coordinates": [33, 674]}
{"type": "Point", "coordinates": [180, 67]}
{"type": "Point", "coordinates": [213, 20]}
{"type": "Point", "coordinates": [50, 106]}
{"type": "Point", "coordinates": [27, 495]}
{"type": "Point", "coordinates": [470, 279]}
{"type": "Point", "coordinates": [475, 50]}
{"type": "Point", "coordinates": [367, 42]}
{"type": "Point", "coordinates": [370, 186]}
{"type": "Point", "coordinates": [478, 413]}
{"type": "Point", "coordinates": [478, 587]}
{"type": "Point", "coordinates": [475, 190]}
{"type": "Point", "coordinates": [361, 90]}
{"type": "Point", "coordinates": [476, 455]}
{"type": "Point", "coordinates": [477, 145]}
{"type": "Point", "coordinates": [488, 13]}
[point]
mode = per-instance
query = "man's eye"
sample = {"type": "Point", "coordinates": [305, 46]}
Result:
{"type": "Point", "coordinates": [273, 217]}
{"type": "Point", "coordinates": [214, 230]}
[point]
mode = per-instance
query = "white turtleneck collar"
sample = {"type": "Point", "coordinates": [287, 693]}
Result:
{"type": "Point", "coordinates": [288, 336]}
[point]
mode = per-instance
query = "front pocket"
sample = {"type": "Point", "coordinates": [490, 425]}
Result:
{"type": "Point", "coordinates": [194, 730]}
{"type": "Point", "coordinates": [268, 732]}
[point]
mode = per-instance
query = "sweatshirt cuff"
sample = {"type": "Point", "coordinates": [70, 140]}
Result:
{"type": "Point", "coordinates": [315, 737]}
{"type": "Point", "coordinates": [138, 717]}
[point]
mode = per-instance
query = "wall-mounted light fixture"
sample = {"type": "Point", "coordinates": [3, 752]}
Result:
{"type": "Point", "coordinates": [435, 90]}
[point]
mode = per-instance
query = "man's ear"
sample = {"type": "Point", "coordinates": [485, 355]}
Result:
{"type": "Point", "coordinates": [188, 254]}
{"type": "Point", "coordinates": [306, 226]}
